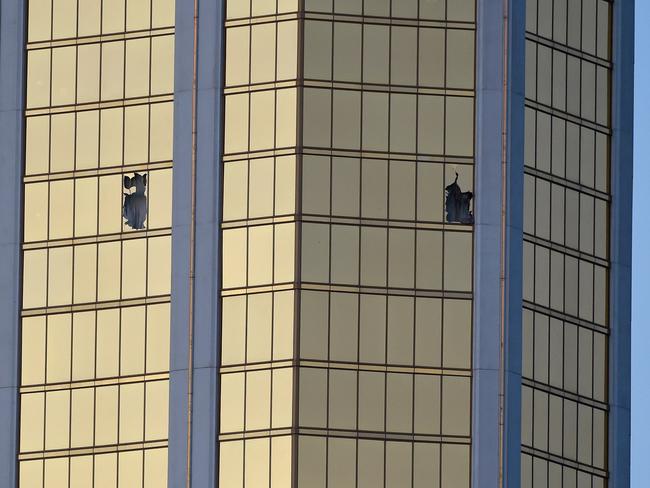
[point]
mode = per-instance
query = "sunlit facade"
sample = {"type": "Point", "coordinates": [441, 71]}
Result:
{"type": "Point", "coordinates": [96, 293]}
{"type": "Point", "coordinates": [315, 243]}
{"type": "Point", "coordinates": [334, 233]}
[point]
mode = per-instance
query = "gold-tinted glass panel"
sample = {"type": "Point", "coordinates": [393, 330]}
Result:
{"type": "Point", "coordinates": [342, 132]}
{"type": "Point", "coordinates": [96, 287]}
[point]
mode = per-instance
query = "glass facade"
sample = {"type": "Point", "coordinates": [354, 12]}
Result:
{"type": "Point", "coordinates": [566, 249]}
{"type": "Point", "coordinates": [96, 292]}
{"type": "Point", "coordinates": [346, 293]}
{"type": "Point", "coordinates": [346, 244]}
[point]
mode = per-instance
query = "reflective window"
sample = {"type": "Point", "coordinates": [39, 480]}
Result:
{"type": "Point", "coordinates": [566, 248]}
{"type": "Point", "coordinates": [346, 299]}
{"type": "Point", "coordinates": [96, 280]}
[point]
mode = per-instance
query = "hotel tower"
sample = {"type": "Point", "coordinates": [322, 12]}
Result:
{"type": "Point", "coordinates": [315, 243]}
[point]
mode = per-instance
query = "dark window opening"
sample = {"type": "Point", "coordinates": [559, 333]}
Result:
{"type": "Point", "coordinates": [457, 204]}
{"type": "Point", "coordinates": [135, 203]}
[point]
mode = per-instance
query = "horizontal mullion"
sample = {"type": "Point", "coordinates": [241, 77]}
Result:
{"type": "Point", "coordinates": [99, 105]}
{"type": "Point", "coordinates": [605, 63]}
{"type": "Point", "coordinates": [567, 183]}
{"type": "Point", "coordinates": [349, 434]}
{"type": "Point", "coordinates": [77, 241]}
{"type": "Point", "coordinates": [565, 317]}
{"type": "Point", "coordinates": [102, 171]}
{"type": "Point", "coordinates": [349, 221]}
{"type": "Point", "coordinates": [88, 307]}
{"type": "Point", "coordinates": [563, 461]}
{"type": "Point", "coordinates": [96, 382]}
{"type": "Point", "coordinates": [366, 290]}
{"type": "Point", "coordinates": [81, 451]}
{"type": "Point", "coordinates": [561, 114]}
{"type": "Point", "coordinates": [345, 365]}
{"type": "Point", "coordinates": [564, 394]}
{"type": "Point", "coordinates": [548, 244]}
{"type": "Point", "coordinates": [102, 38]}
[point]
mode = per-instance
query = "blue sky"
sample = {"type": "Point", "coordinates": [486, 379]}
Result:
{"type": "Point", "coordinates": [641, 257]}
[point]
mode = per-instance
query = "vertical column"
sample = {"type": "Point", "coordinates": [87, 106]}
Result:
{"type": "Point", "coordinates": [194, 389]}
{"type": "Point", "coordinates": [621, 242]}
{"type": "Point", "coordinates": [12, 81]}
{"type": "Point", "coordinates": [497, 280]}
{"type": "Point", "coordinates": [514, 241]}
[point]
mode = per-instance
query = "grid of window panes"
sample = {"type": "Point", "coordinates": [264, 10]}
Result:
{"type": "Point", "coordinates": [95, 312]}
{"type": "Point", "coordinates": [346, 326]}
{"type": "Point", "coordinates": [258, 242]}
{"type": "Point", "coordinates": [565, 316]}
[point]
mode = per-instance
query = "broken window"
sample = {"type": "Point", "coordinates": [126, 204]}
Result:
{"type": "Point", "coordinates": [457, 204]}
{"type": "Point", "coordinates": [135, 202]}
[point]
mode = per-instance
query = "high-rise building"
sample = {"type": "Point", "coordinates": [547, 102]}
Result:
{"type": "Point", "coordinates": [315, 243]}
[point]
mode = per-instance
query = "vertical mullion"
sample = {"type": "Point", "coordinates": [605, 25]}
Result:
{"type": "Point", "coordinates": [297, 293]}
{"type": "Point", "coordinates": [579, 210]}
{"type": "Point", "coordinates": [565, 229]}
{"type": "Point", "coordinates": [73, 249]}
{"type": "Point", "coordinates": [121, 270]}
{"type": "Point", "coordinates": [415, 259]}
{"type": "Point", "coordinates": [97, 230]}
{"type": "Point", "coordinates": [47, 261]}
{"type": "Point", "coordinates": [248, 236]}
{"type": "Point", "coordinates": [473, 265]}
{"type": "Point", "coordinates": [443, 233]}
{"type": "Point", "coordinates": [146, 316]}
{"type": "Point", "coordinates": [360, 250]}
{"type": "Point", "coordinates": [388, 192]}
{"type": "Point", "coordinates": [330, 228]}
{"type": "Point", "coordinates": [146, 307]}
{"type": "Point", "coordinates": [549, 212]}
{"type": "Point", "coordinates": [273, 294]}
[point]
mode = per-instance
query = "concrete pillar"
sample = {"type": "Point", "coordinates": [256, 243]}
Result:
{"type": "Point", "coordinates": [12, 81]}
{"type": "Point", "coordinates": [196, 301]}
{"type": "Point", "coordinates": [495, 371]}
{"type": "Point", "coordinates": [621, 243]}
